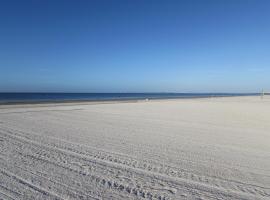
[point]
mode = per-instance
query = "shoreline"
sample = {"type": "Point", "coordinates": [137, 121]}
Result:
{"type": "Point", "coordinates": [53, 98]}
{"type": "Point", "coordinates": [108, 101]}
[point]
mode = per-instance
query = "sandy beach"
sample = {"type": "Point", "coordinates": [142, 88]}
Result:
{"type": "Point", "coordinates": [208, 148]}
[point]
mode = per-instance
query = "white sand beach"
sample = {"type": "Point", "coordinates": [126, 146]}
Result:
{"type": "Point", "coordinates": [209, 148]}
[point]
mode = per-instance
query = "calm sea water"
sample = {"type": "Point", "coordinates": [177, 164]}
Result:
{"type": "Point", "coordinates": [54, 97]}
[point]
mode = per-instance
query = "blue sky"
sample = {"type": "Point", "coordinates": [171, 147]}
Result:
{"type": "Point", "coordinates": [134, 46]}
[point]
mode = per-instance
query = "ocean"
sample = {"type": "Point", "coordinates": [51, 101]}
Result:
{"type": "Point", "coordinates": [62, 97]}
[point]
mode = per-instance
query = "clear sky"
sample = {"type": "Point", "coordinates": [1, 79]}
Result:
{"type": "Point", "coordinates": [134, 46]}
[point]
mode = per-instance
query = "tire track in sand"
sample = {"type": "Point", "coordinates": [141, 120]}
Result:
{"type": "Point", "coordinates": [124, 162]}
{"type": "Point", "coordinates": [155, 167]}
